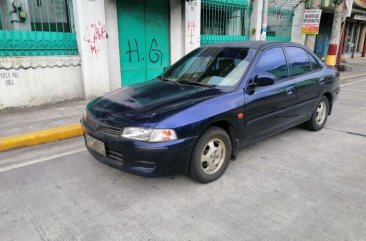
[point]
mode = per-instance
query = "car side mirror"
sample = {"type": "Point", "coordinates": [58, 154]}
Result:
{"type": "Point", "coordinates": [165, 69]}
{"type": "Point", "coordinates": [264, 80]}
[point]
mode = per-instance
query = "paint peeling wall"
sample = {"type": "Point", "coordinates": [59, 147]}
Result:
{"type": "Point", "coordinates": [31, 81]}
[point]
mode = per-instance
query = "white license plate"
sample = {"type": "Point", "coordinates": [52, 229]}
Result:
{"type": "Point", "coordinates": [96, 145]}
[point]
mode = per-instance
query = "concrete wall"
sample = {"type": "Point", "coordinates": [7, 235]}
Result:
{"type": "Point", "coordinates": [192, 25]}
{"type": "Point", "coordinates": [30, 81]}
{"type": "Point", "coordinates": [256, 20]}
{"type": "Point", "coordinates": [176, 30]}
{"type": "Point", "coordinates": [296, 35]}
{"type": "Point", "coordinates": [113, 44]}
{"type": "Point", "coordinates": [92, 32]}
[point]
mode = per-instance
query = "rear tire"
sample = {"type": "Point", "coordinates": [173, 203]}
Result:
{"type": "Point", "coordinates": [320, 115]}
{"type": "Point", "coordinates": [210, 156]}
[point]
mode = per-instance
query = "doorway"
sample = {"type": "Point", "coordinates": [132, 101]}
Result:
{"type": "Point", "coordinates": [143, 28]}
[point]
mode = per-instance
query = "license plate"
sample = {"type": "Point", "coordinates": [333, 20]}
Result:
{"type": "Point", "coordinates": [96, 145]}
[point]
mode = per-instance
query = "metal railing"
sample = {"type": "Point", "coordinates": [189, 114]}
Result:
{"type": "Point", "coordinates": [224, 20]}
{"type": "Point", "coordinates": [279, 24]}
{"type": "Point", "coordinates": [37, 28]}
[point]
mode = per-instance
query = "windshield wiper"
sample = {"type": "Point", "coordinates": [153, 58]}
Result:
{"type": "Point", "coordinates": [190, 82]}
{"type": "Point", "coordinates": [167, 80]}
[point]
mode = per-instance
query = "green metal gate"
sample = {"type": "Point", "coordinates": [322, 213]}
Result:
{"type": "Point", "coordinates": [224, 20]}
{"type": "Point", "coordinates": [143, 30]}
{"type": "Point", "coordinates": [279, 24]}
{"type": "Point", "coordinates": [35, 27]}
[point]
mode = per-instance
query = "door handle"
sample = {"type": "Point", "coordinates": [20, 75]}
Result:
{"type": "Point", "coordinates": [321, 80]}
{"type": "Point", "coordinates": [290, 90]}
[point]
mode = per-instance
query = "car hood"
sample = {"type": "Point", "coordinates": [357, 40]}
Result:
{"type": "Point", "coordinates": [149, 103]}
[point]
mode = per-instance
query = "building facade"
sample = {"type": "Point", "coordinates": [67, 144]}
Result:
{"type": "Point", "coordinates": [353, 42]}
{"type": "Point", "coordinates": [57, 50]}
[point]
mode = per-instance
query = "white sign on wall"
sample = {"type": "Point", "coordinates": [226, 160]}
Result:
{"type": "Point", "coordinates": [310, 24]}
{"type": "Point", "coordinates": [192, 25]}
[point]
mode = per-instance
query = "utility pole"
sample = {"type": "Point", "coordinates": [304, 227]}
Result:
{"type": "Point", "coordinates": [336, 33]}
{"type": "Point", "coordinates": [264, 20]}
{"type": "Point", "coordinates": [310, 38]}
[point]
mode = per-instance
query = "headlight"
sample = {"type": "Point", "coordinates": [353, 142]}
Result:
{"type": "Point", "coordinates": [148, 134]}
{"type": "Point", "coordinates": [134, 133]}
{"type": "Point", "coordinates": [158, 135]}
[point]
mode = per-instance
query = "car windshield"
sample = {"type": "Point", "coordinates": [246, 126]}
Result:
{"type": "Point", "coordinates": [223, 67]}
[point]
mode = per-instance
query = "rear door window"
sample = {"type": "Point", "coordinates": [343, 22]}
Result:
{"type": "Point", "coordinates": [273, 62]}
{"type": "Point", "coordinates": [299, 61]}
{"type": "Point", "coordinates": [314, 63]}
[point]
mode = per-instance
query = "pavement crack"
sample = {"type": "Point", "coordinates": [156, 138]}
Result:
{"type": "Point", "coordinates": [356, 134]}
{"type": "Point", "coordinates": [347, 132]}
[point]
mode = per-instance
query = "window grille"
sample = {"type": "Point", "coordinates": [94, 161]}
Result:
{"type": "Point", "coordinates": [37, 27]}
{"type": "Point", "coordinates": [224, 20]}
{"type": "Point", "coordinates": [279, 24]}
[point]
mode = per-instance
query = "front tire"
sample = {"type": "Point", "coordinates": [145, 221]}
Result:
{"type": "Point", "coordinates": [320, 115]}
{"type": "Point", "coordinates": [211, 155]}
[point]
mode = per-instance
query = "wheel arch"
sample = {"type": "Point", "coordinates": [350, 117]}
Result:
{"type": "Point", "coordinates": [227, 126]}
{"type": "Point", "coordinates": [330, 101]}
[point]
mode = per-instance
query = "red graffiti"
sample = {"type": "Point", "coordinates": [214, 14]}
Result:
{"type": "Point", "coordinates": [94, 34]}
{"type": "Point", "coordinates": [191, 26]}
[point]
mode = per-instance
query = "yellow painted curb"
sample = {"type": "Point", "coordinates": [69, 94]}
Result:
{"type": "Point", "coordinates": [42, 136]}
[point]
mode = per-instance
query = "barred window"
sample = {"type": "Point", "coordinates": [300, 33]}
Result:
{"type": "Point", "coordinates": [37, 27]}
{"type": "Point", "coordinates": [224, 20]}
{"type": "Point", "coordinates": [279, 23]}
{"type": "Point", "coordinates": [40, 15]}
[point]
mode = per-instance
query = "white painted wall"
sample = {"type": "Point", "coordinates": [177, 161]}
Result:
{"type": "Point", "coordinates": [256, 20]}
{"type": "Point", "coordinates": [91, 29]}
{"type": "Point", "coordinates": [113, 44]}
{"type": "Point", "coordinates": [31, 81]}
{"type": "Point", "coordinates": [176, 30]}
{"type": "Point", "coordinates": [296, 35]}
{"type": "Point", "coordinates": [192, 25]}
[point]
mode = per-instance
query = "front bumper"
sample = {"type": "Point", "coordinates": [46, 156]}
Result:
{"type": "Point", "coordinates": [142, 158]}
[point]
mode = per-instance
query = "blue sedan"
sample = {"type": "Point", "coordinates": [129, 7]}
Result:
{"type": "Point", "coordinates": [196, 116]}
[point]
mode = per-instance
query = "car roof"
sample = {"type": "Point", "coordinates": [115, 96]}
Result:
{"type": "Point", "coordinates": [250, 44]}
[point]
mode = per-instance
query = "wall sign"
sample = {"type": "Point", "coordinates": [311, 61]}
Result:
{"type": "Point", "coordinates": [310, 24]}
{"type": "Point", "coordinates": [360, 17]}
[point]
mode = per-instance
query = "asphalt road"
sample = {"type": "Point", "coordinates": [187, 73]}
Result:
{"type": "Point", "coordinates": [297, 185]}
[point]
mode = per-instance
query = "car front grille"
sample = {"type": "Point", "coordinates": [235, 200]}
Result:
{"type": "Point", "coordinates": [114, 155]}
{"type": "Point", "coordinates": [111, 131]}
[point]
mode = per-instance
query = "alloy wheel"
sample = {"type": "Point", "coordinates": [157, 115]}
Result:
{"type": "Point", "coordinates": [213, 156]}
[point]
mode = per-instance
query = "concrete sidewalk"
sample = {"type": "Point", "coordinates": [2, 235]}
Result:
{"type": "Point", "coordinates": [36, 125]}
{"type": "Point", "coordinates": [358, 68]}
